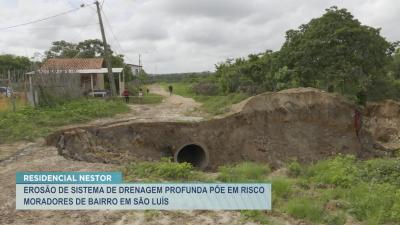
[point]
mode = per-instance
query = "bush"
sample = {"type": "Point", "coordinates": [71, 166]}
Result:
{"type": "Point", "coordinates": [305, 208]}
{"type": "Point", "coordinates": [382, 171]}
{"type": "Point", "coordinates": [281, 187]}
{"type": "Point", "coordinates": [374, 203]}
{"type": "Point", "coordinates": [205, 88]}
{"type": "Point", "coordinates": [340, 171]}
{"type": "Point", "coordinates": [243, 172]}
{"type": "Point", "coordinates": [165, 169]}
{"type": "Point", "coordinates": [294, 169]}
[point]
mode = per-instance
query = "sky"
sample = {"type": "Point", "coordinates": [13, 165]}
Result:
{"type": "Point", "coordinates": [174, 36]}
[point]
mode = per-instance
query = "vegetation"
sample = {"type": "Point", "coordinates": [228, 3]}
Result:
{"type": "Point", "coordinates": [12, 62]}
{"type": "Point", "coordinates": [90, 48]}
{"type": "Point", "coordinates": [243, 172]}
{"type": "Point", "coordinates": [334, 52]}
{"type": "Point", "coordinates": [254, 216]}
{"type": "Point", "coordinates": [179, 77]}
{"type": "Point", "coordinates": [212, 104]}
{"type": "Point", "coordinates": [369, 191]}
{"type": "Point", "coordinates": [163, 170]}
{"type": "Point", "coordinates": [328, 199]}
{"type": "Point", "coordinates": [150, 98]}
{"type": "Point", "coordinates": [30, 123]}
{"type": "Point", "coordinates": [330, 191]}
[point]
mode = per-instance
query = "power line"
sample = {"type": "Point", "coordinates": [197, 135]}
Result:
{"type": "Point", "coordinates": [43, 19]}
{"type": "Point", "coordinates": [114, 36]}
{"type": "Point", "coordinates": [74, 26]}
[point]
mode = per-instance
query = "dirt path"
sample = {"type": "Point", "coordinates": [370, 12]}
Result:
{"type": "Point", "coordinates": [36, 156]}
{"type": "Point", "coordinates": [172, 108]}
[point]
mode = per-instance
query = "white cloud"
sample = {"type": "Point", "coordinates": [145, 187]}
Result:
{"type": "Point", "coordinates": [179, 35]}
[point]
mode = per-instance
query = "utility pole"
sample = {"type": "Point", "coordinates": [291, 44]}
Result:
{"type": "Point", "coordinates": [139, 65]}
{"type": "Point", "coordinates": [106, 54]}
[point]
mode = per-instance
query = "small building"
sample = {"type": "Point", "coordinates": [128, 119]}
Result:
{"type": "Point", "coordinates": [91, 71]}
{"type": "Point", "coordinates": [135, 69]}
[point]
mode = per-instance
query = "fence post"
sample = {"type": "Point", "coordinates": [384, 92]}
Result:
{"type": "Point", "coordinates": [12, 96]}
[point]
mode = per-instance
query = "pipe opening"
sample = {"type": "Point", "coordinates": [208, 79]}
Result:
{"type": "Point", "coordinates": [193, 154]}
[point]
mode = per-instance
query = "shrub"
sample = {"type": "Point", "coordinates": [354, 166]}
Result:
{"type": "Point", "coordinates": [243, 172]}
{"type": "Point", "coordinates": [340, 171]}
{"type": "Point", "coordinates": [305, 208]}
{"type": "Point", "coordinates": [374, 203]}
{"type": "Point", "coordinates": [281, 187]}
{"type": "Point", "coordinates": [294, 169]}
{"type": "Point", "coordinates": [165, 169]}
{"type": "Point", "coordinates": [381, 171]}
{"type": "Point", "coordinates": [205, 88]}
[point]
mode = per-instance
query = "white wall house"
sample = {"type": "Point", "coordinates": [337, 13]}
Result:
{"type": "Point", "coordinates": [135, 69]}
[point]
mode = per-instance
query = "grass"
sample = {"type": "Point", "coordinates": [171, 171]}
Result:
{"type": "Point", "coordinates": [6, 102]}
{"type": "Point", "coordinates": [305, 208]}
{"type": "Point", "coordinates": [30, 123]}
{"type": "Point", "coordinates": [367, 190]}
{"type": "Point", "coordinates": [213, 105]}
{"type": "Point", "coordinates": [258, 217]}
{"type": "Point", "coordinates": [243, 172]}
{"type": "Point", "coordinates": [163, 170]}
{"type": "Point", "coordinates": [340, 171]}
{"type": "Point", "coordinates": [150, 98]}
{"type": "Point", "coordinates": [327, 192]}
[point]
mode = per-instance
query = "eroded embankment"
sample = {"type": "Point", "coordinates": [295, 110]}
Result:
{"type": "Point", "coordinates": [301, 124]}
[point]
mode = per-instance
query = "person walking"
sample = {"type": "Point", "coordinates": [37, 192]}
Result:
{"type": "Point", "coordinates": [170, 89]}
{"type": "Point", "coordinates": [126, 95]}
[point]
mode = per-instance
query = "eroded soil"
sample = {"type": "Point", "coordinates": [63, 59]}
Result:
{"type": "Point", "coordinates": [36, 156]}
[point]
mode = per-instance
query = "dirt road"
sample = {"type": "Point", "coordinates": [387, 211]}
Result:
{"type": "Point", "coordinates": [36, 156]}
{"type": "Point", "coordinates": [172, 108]}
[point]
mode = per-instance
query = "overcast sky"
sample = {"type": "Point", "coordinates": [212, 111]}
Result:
{"type": "Point", "coordinates": [179, 35]}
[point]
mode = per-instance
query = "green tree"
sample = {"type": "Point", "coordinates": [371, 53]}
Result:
{"type": "Point", "coordinates": [394, 66]}
{"type": "Point", "coordinates": [12, 62]}
{"type": "Point", "coordinates": [335, 49]}
{"type": "Point", "coordinates": [90, 48]}
{"type": "Point", "coordinates": [62, 49]}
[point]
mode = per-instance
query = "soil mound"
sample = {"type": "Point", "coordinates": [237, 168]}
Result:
{"type": "Point", "coordinates": [303, 124]}
{"type": "Point", "coordinates": [382, 120]}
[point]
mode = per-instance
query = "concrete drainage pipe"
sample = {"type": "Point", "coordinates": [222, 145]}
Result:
{"type": "Point", "coordinates": [194, 154]}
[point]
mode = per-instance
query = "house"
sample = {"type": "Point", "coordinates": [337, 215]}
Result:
{"type": "Point", "coordinates": [91, 71]}
{"type": "Point", "coordinates": [135, 69]}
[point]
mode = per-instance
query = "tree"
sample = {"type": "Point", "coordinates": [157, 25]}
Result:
{"type": "Point", "coordinates": [85, 49]}
{"type": "Point", "coordinates": [394, 66]}
{"type": "Point", "coordinates": [90, 48]}
{"type": "Point", "coordinates": [12, 62]}
{"type": "Point", "coordinates": [62, 49]}
{"type": "Point", "coordinates": [337, 50]}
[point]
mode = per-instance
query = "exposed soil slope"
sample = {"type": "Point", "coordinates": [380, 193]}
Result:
{"type": "Point", "coordinates": [305, 124]}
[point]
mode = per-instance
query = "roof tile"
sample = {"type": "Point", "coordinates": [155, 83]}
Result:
{"type": "Point", "coordinates": [72, 63]}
